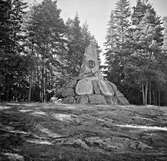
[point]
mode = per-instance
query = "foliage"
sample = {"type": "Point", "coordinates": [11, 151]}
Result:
{"type": "Point", "coordinates": [56, 49]}
{"type": "Point", "coordinates": [13, 61]}
{"type": "Point", "coordinates": [39, 52]}
{"type": "Point", "coordinates": [117, 46]}
{"type": "Point", "coordinates": [148, 36]}
{"type": "Point", "coordinates": [165, 33]}
{"type": "Point", "coordinates": [78, 39]}
{"type": "Point", "coordinates": [46, 44]}
{"type": "Point", "coordinates": [136, 64]}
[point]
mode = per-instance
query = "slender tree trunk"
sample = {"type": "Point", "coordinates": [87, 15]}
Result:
{"type": "Point", "coordinates": [41, 84]}
{"type": "Point", "coordinates": [143, 97]}
{"type": "Point", "coordinates": [30, 88]}
{"type": "Point", "coordinates": [159, 97]}
{"type": "Point", "coordinates": [146, 93]}
{"type": "Point", "coordinates": [154, 102]}
{"type": "Point", "coordinates": [44, 85]}
{"type": "Point", "coordinates": [150, 97]}
{"type": "Point", "coordinates": [7, 93]}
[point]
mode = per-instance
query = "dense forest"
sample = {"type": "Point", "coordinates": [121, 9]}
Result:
{"type": "Point", "coordinates": [136, 52]}
{"type": "Point", "coordinates": [39, 51]}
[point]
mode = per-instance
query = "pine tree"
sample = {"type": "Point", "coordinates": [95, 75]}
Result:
{"type": "Point", "coordinates": [5, 7]}
{"type": "Point", "coordinates": [13, 63]}
{"type": "Point", "coordinates": [78, 39]}
{"type": "Point", "coordinates": [163, 62]}
{"type": "Point", "coordinates": [165, 33]}
{"type": "Point", "coordinates": [138, 12]}
{"type": "Point", "coordinates": [144, 62]}
{"type": "Point", "coordinates": [117, 42]}
{"type": "Point", "coordinates": [87, 37]}
{"type": "Point", "coordinates": [122, 15]}
{"type": "Point", "coordinates": [46, 44]}
{"type": "Point", "coordinates": [110, 39]}
{"type": "Point", "coordinates": [75, 48]}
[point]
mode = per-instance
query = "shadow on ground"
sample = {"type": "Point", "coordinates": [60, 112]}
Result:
{"type": "Point", "coordinates": [57, 132]}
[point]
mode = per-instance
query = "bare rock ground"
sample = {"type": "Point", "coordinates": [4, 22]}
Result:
{"type": "Point", "coordinates": [58, 132]}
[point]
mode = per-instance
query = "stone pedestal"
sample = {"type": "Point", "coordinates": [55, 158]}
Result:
{"type": "Point", "coordinates": [92, 90]}
{"type": "Point", "coordinates": [90, 87]}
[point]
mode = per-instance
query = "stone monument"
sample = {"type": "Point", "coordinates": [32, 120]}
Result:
{"type": "Point", "coordinates": [90, 87]}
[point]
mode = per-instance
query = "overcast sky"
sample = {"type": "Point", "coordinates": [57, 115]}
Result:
{"type": "Point", "coordinates": [97, 13]}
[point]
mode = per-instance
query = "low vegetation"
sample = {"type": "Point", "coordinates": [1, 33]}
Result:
{"type": "Point", "coordinates": [57, 132]}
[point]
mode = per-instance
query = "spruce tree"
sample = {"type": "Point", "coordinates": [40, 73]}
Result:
{"type": "Point", "coordinates": [117, 42]}
{"type": "Point", "coordinates": [87, 37]}
{"type": "Point", "coordinates": [78, 39]}
{"type": "Point", "coordinates": [110, 38]}
{"type": "Point", "coordinates": [138, 12]}
{"type": "Point", "coordinates": [5, 7]}
{"type": "Point", "coordinates": [165, 33]}
{"type": "Point", "coordinates": [13, 63]}
{"type": "Point", "coordinates": [144, 63]}
{"type": "Point", "coordinates": [75, 47]}
{"type": "Point", "coordinates": [122, 15]}
{"type": "Point", "coordinates": [46, 44]}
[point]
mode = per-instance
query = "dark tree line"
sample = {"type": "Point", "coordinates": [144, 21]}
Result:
{"type": "Point", "coordinates": [39, 52]}
{"type": "Point", "coordinates": [136, 52]}
{"type": "Point", "coordinates": [13, 61]}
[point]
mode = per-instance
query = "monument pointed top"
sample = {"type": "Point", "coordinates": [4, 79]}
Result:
{"type": "Point", "coordinates": [90, 62]}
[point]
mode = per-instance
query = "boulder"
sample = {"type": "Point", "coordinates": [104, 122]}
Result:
{"type": "Point", "coordinates": [72, 83]}
{"type": "Point", "coordinates": [96, 88]}
{"type": "Point", "coordinates": [68, 92]}
{"type": "Point", "coordinates": [119, 94]}
{"type": "Point", "coordinates": [53, 99]}
{"type": "Point", "coordinates": [69, 100]}
{"type": "Point", "coordinates": [111, 100]}
{"type": "Point", "coordinates": [96, 99]}
{"type": "Point", "coordinates": [84, 86]}
{"type": "Point", "coordinates": [82, 99]}
{"type": "Point", "coordinates": [121, 99]}
{"type": "Point", "coordinates": [105, 88]}
{"type": "Point", "coordinates": [112, 85]}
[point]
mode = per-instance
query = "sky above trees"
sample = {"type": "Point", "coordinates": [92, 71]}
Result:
{"type": "Point", "coordinates": [97, 13]}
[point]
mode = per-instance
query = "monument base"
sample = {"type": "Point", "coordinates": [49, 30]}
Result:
{"type": "Point", "coordinates": [91, 90]}
{"type": "Point", "coordinates": [90, 87]}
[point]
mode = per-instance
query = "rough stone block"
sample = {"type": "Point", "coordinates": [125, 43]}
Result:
{"type": "Point", "coordinates": [82, 99]}
{"type": "Point", "coordinates": [72, 83]}
{"type": "Point", "coordinates": [96, 99]}
{"type": "Point", "coordinates": [111, 100]}
{"type": "Point", "coordinates": [122, 100]}
{"type": "Point", "coordinates": [114, 87]}
{"type": "Point", "coordinates": [96, 87]}
{"type": "Point", "coordinates": [119, 94]}
{"type": "Point", "coordinates": [84, 87]}
{"type": "Point", "coordinates": [68, 92]}
{"type": "Point", "coordinates": [69, 100]}
{"type": "Point", "coordinates": [105, 88]}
